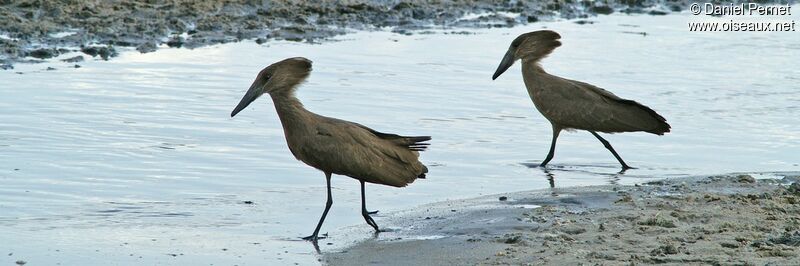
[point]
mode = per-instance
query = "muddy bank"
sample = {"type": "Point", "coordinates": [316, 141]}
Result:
{"type": "Point", "coordinates": [720, 220]}
{"type": "Point", "coordinates": [33, 30]}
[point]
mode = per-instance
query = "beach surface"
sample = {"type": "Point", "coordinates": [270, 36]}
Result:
{"type": "Point", "coordinates": [718, 220]}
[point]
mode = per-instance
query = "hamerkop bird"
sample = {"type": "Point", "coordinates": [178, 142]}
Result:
{"type": "Point", "coordinates": [571, 104]}
{"type": "Point", "coordinates": [335, 146]}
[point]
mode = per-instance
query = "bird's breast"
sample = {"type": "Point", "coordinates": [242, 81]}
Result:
{"type": "Point", "coordinates": [541, 97]}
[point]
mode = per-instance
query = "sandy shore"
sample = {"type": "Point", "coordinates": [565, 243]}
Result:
{"type": "Point", "coordinates": [34, 30]}
{"type": "Point", "coordinates": [720, 220]}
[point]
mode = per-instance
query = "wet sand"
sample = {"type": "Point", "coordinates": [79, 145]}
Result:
{"type": "Point", "coordinates": [719, 220]}
{"type": "Point", "coordinates": [35, 30]}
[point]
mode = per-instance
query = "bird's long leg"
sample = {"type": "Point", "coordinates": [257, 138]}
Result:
{"type": "Point", "coordinates": [364, 211]}
{"type": "Point", "coordinates": [556, 131]}
{"type": "Point", "coordinates": [608, 146]}
{"type": "Point", "coordinates": [313, 237]}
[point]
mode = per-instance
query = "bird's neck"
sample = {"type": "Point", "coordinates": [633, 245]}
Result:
{"type": "Point", "coordinates": [532, 74]}
{"type": "Point", "coordinates": [531, 66]}
{"type": "Point", "coordinates": [290, 110]}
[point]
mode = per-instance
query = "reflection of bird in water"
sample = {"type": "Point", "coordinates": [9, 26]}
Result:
{"type": "Point", "coordinates": [550, 174]}
{"type": "Point", "coordinates": [335, 146]}
{"type": "Point", "coordinates": [570, 104]}
{"type": "Point", "coordinates": [550, 178]}
{"type": "Point", "coordinates": [614, 179]}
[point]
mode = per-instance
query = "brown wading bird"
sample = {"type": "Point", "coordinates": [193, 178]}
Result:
{"type": "Point", "coordinates": [570, 104]}
{"type": "Point", "coordinates": [335, 146]}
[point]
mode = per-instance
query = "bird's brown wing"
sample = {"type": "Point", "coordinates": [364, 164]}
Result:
{"type": "Point", "coordinates": [351, 149]}
{"type": "Point", "coordinates": [584, 106]}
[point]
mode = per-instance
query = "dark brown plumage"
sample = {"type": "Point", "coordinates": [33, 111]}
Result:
{"type": "Point", "coordinates": [571, 104]}
{"type": "Point", "coordinates": [335, 146]}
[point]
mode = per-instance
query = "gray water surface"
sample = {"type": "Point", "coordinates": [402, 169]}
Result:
{"type": "Point", "coordinates": [136, 161]}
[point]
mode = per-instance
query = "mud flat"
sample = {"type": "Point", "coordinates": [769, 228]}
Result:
{"type": "Point", "coordinates": [718, 220]}
{"type": "Point", "coordinates": [35, 30]}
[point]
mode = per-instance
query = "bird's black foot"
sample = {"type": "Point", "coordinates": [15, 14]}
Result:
{"type": "Point", "coordinates": [371, 222]}
{"type": "Point", "coordinates": [373, 212]}
{"type": "Point", "coordinates": [314, 238]}
{"type": "Point", "coordinates": [625, 168]}
{"type": "Point", "coordinates": [378, 232]}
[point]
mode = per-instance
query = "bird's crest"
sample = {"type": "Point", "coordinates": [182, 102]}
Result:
{"type": "Point", "coordinates": [535, 45]}
{"type": "Point", "coordinates": [286, 75]}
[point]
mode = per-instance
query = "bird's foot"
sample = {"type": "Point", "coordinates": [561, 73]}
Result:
{"type": "Point", "coordinates": [388, 230]}
{"type": "Point", "coordinates": [626, 168]}
{"type": "Point", "coordinates": [372, 223]}
{"type": "Point", "coordinates": [315, 237]}
{"type": "Point", "coordinates": [377, 231]}
{"type": "Point", "coordinates": [373, 212]}
{"type": "Point", "coordinates": [376, 234]}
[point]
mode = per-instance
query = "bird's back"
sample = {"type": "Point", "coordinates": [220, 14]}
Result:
{"type": "Point", "coordinates": [347, 148]}
{"type": "Point", "coordinates": [579, 105]}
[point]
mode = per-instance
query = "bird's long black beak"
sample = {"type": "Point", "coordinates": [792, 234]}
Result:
{"type": "Point", "coordinates": [252, 94]}
{"type": "Point", "coordinates": [508, 60]}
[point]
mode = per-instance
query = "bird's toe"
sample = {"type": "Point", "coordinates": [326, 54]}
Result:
{"type": "Point", "coordinates": [314, 238]}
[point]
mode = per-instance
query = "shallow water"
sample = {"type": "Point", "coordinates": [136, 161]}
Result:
{"type": "Point", "coordinates": [136, 160]}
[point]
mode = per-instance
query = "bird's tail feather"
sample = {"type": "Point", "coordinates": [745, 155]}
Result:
{"type": "Point", "coordinates": [416, 143]}
{"type": "Point", "coordinates": [663, 126]}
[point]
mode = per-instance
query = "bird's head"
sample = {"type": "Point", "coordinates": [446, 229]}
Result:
{"type": "Point", "coordinates": [529, 46]}
{"type": "Point", "coordinates": [280, 77]}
